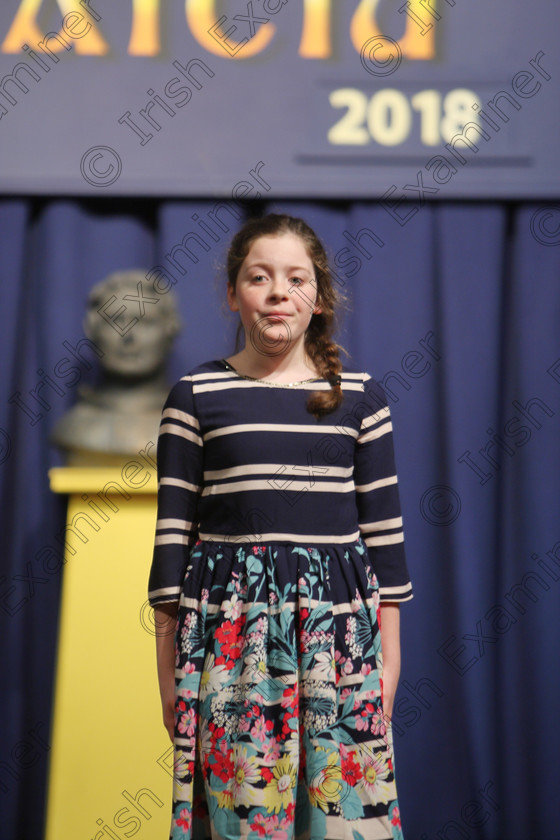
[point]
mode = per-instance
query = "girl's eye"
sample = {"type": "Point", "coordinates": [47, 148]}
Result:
{"type": "Point", "coordinates": [258, 278]}
{"type": "Point", "coordinates": [297, 281]}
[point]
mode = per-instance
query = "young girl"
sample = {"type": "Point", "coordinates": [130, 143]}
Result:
{"type": "Point", "coordinates": [279, 551]}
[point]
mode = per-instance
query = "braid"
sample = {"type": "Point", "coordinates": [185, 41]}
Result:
{"type": "Point", "coordinates": [324, 353]}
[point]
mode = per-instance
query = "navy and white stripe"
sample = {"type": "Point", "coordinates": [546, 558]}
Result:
{"type": "Point", "coordinates": [243, 461]}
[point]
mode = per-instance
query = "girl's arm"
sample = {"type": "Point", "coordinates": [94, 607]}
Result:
{"type": "Point", "coordinates": [391, 648]}
{"type": "Point", "coordinates": [180, 473]}
{"type": "Point", "coordinates": [165, 616]}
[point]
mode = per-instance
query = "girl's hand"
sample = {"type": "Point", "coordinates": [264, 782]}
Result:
{"type": "Point", "coordinates": [168, 706]}
{"type": "Point", "coordinates": [165, 618]}
{"type": "Point", "coordinates": [390, 645]}
{"type": "Point", "coordinates": [390, 682]}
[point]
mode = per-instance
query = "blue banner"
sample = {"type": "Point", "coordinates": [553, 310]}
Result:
{"type": "Point", "coordinates": [387, 99]}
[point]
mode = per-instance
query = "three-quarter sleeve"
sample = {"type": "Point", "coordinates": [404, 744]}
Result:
{"type": "Point", "coordinates": [377, 495]}
{"type": "Point", "coordinates": [180, 471]}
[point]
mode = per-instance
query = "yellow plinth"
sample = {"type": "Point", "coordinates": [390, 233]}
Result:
{"type": "Point", "coordinates": [111, 759]}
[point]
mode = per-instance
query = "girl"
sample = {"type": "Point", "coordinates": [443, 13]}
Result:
{"type": "Point", "coordinates": [279, 562]}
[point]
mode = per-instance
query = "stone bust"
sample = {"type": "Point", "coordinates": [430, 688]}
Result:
{"type": "Point", "coordinates": [133, 326]}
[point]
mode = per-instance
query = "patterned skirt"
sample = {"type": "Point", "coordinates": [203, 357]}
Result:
{"type": "Point", "coordinates": [279, 726]}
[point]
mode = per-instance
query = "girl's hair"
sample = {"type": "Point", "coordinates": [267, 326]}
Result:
{"type": "Point", "coordinates": [319, 344]}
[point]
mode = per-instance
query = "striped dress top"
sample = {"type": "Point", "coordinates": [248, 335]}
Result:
{"type": "Point", "coordinates": [242, 462]}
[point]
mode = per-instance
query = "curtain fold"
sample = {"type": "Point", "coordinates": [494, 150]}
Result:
{"type": "Point", "coordinates": [456, 312]}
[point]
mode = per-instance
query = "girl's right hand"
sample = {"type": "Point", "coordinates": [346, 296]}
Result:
{"type": "Point", "coordinates": [165, 618]}
{"type": "Point", "coordinates": [168, 708]}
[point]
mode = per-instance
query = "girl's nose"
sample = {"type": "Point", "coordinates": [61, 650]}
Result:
{"type": "Point", "coordinates": [279, 288]}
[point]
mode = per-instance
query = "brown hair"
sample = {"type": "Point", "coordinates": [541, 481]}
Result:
{"type": "Point", "coordinates": [319, 344]}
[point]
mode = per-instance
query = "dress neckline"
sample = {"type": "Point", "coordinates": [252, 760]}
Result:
{"type": "Point", "coordinates": [268, 381]}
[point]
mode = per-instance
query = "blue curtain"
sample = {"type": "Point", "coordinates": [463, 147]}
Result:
{"type": "Point", "coordinates": [455, 308]}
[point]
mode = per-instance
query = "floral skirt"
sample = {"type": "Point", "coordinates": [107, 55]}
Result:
{"type": "Point", "coordinates": [279, 726]}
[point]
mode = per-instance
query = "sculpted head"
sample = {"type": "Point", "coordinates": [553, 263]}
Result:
{"type": "Point", "coordinates": [132, 323]}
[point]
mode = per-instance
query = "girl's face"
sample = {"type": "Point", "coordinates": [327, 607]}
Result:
{"type": "Point", "coordinates": [275, 293]}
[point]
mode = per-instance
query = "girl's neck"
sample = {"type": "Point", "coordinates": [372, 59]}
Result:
{"type": "Point", "coordinates": [286, 367]}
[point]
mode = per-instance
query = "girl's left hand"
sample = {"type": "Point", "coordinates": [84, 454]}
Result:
{"type": "Point", "coordinates": [390, 645]}
{"type": "Point", "coordinates": [390, 682]}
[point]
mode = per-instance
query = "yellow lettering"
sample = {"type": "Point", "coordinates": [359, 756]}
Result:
{"type": "Point", "coordinates": [413, 44]}
{"type": "Point", "coordinates": [202, 16]}
{"type": "Point", "coordinates": [316, 32]}
{"type": "Point", "coordinates": [93, 42]}
{"type": "Point", "coordinates": [24, 30]}
{"type": "Point", "coordinates": [144, 35]}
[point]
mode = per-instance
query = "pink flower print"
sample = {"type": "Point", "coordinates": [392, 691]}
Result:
{"type": "Point", "coordinates": [374, 780]}
{"type": "Point", "coordinates": [362, 723]}
{"type": "Point", "coordinates": [244, 724]}
{"type": "Point", "coordinates": [396, 817]}
{"type": "Point", "coordinates": [271, 751]}
{"type": "Point", "coordinates": [245, 776]}
{"type": "Point", "coordinates": [184, 820]}
{"type": "Point", "coordinates": [378, 724]}
{"type": "Point", "coordinates": [273, 828]}
{"type": "Point", "coordinates": [187, 723]}
{"type": "Point", "coordinates": [259, 825]}
{"type": "Point", "coordinates": [264, 825]}
{"type": "Point", "coordinates": [187, 693]}
{"type": "Point", "coordinates": [261, 728]}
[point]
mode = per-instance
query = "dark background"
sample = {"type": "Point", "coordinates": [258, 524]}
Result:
{"type": "Point", "coordinates": [471, 289]}
{"type": "Point", "coordinates": [453, 305]}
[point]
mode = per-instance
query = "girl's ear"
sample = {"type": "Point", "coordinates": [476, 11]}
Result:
{"type": "Point", "coordinates": [317, 309]}
{"type": "Point", "coordinates": [232, 298]}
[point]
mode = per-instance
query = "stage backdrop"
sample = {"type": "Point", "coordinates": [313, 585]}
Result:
{"type": "Point", "coordinates": [457, 316]}
{"type": "Point", "coordinates": [394, 99]}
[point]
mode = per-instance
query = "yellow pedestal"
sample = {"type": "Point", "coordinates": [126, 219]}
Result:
{"type": "Point", "coordinates": [111, 759]}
